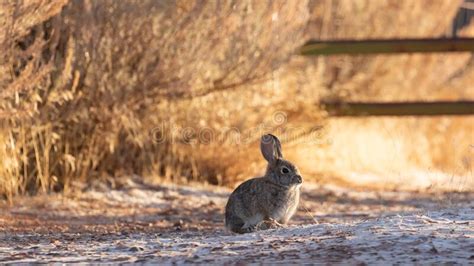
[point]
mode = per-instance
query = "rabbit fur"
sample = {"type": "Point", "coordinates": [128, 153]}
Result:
{"type": "Point", "coordinates": [268, 201]}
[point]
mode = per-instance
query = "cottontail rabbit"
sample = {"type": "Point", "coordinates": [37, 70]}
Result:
{"type": "Point", "coordinates": [267, 201]}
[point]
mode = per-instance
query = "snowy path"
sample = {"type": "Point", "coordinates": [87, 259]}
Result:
{"type": "Point", "coordinates": [166, 224]}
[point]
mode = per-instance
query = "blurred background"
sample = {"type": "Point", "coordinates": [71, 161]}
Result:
{"type": "Point", "coordinates": [182, 90]}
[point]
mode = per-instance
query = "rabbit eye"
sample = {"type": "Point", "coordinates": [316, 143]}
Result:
{"type": "Point", "coordinates": [285, 170]}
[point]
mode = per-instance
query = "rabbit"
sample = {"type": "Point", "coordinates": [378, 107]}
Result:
{"type": "Point", "coordinates": [268, 201]}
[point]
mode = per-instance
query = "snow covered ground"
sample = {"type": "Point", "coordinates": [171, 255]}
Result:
{"type": "Point", "coordinates": [139, 222]}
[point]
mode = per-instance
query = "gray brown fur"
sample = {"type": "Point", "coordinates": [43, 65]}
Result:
{"type": "Point", "coordinates": [273, 197]}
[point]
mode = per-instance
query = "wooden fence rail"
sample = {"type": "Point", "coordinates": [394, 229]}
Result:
{"type": "Point", "coordinates": [399, 108]}
{"type": "Point", "coordinates": [385, 46]}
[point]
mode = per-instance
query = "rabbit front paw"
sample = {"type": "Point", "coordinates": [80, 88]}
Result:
{"type": "Point", "coordinates": [250, 228]}
{"type": "Point", "coordinates": [269, 224]}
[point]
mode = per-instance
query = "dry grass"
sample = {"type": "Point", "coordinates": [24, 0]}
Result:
{"type": "Point", "coordinates": [183, 89]}
{"type": "Point", "coordinates": [87, 88]}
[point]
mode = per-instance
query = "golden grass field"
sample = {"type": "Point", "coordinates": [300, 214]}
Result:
{"type": "Point", "coordinates": [183, 90]}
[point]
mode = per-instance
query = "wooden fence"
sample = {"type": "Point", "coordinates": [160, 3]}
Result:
{"type": "Point", "coordinates": [394, 46]}
{"type": "Point", "coordinates": [355, 47]}
{"type": "Point", "coordinates": [399, 108]}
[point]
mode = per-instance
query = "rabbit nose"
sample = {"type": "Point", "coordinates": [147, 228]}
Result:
{"type": "Point", "coordinates": [298, 179]}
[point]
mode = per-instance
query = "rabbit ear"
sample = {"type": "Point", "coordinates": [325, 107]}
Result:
{"type": "Point", "coordinates": [271, 148]}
